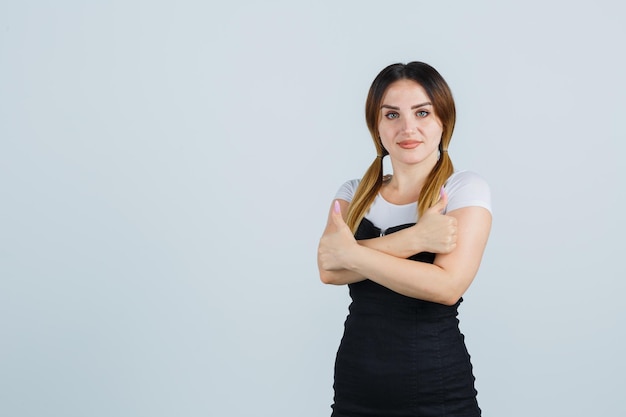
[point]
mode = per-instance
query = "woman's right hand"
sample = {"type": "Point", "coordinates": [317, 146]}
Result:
{"type": "Point", "coordinates": [335, 243]}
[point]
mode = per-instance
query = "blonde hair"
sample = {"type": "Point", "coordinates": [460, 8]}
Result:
{"type": "Point", "coordinates": [443, 104]}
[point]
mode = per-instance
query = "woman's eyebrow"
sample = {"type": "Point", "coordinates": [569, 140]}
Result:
{"type": "Point", "coordinates": [387, 106]}
{"type": "Point", "coordinates": [428, 103]}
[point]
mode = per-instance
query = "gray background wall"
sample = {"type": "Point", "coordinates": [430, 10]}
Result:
{"type": "Point", "coordinates": [166, 170]}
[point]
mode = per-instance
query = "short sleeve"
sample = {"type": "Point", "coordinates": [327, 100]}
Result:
{"type": "Point", "coordinates": [467, 189]}
{"type": "Point", "coordinates": [347, 190]}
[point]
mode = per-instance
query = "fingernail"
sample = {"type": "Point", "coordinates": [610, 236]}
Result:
{"type": "Point", "coordinates": [337, 208]}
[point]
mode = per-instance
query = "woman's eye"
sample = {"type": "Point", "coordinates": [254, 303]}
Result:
{"type": "Point", "coordinates": [392, 115]}
{"type": "Point", "coordinates": [421, 113]}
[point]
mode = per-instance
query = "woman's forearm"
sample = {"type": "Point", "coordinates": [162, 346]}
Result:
{"type": "Point", "coordinates": [443, 282]}
{"type": "Point", "coordinates": [394, 244]}
{"type": "Point", "coordinates": [340, 277]}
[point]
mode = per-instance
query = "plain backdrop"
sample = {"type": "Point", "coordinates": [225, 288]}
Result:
{"type": "Point", "coordinates": [166, 169]}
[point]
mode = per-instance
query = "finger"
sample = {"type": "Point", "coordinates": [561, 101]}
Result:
{"type": "Point", "coordinates": [337, 207]}
{"type": "Point", "coordinates": [441, 204]}
{"type": "Point", "coordinates": [336, 214]}
{"type": "Point", "coordinates": [443, 197]}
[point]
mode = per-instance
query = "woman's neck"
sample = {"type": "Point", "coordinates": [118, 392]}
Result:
{"type": "Point", "coordinates": [406, 183]}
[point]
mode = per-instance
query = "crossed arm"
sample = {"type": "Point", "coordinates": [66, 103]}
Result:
{"type": "Point", "coordinates": [459, 239]}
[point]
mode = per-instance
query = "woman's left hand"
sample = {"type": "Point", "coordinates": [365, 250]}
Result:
{"type": "Point", "coordinates": [336, 244]}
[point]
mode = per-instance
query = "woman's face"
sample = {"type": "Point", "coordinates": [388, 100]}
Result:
{"type": "Point", "coordinates": [408, 126]}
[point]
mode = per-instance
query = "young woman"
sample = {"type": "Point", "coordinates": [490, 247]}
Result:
{"type": "Point", "coordinates": [408, 246]}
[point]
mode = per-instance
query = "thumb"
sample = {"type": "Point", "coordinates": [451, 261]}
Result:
{"type": "Point", "coordinates": [440, 205]}
{"type": "Point", "coordinates": [336, 215]}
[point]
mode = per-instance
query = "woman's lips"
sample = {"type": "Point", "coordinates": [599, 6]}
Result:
{"type": "Point", "coordinates": [409, 144]}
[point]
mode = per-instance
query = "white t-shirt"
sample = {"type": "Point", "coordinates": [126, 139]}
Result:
{"type": "Point", "coordinates": [464, 189]}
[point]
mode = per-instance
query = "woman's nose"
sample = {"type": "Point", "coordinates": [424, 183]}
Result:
{"type": "Point", "coordinates": [409, 127]}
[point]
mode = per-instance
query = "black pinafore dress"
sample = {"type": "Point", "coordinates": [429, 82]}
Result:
{"type": "Point", "coordinates": [400, 356]}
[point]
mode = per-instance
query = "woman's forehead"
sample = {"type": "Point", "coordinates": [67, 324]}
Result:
{"type": "Point", "coordinates": [405, 91]}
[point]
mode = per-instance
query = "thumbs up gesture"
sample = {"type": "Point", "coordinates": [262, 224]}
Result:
{"type": "Point", "coordinates": [436, 232]}
{"type": "Point", "coordinates": [336, 242]}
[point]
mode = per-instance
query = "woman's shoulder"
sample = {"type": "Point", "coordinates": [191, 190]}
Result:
{"type": "Point", "coordinates": [467, 188]}
{"type": "Point", "coordinates": [465, 176]}
{"type": "Point", "coordinates": [347, 190]}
